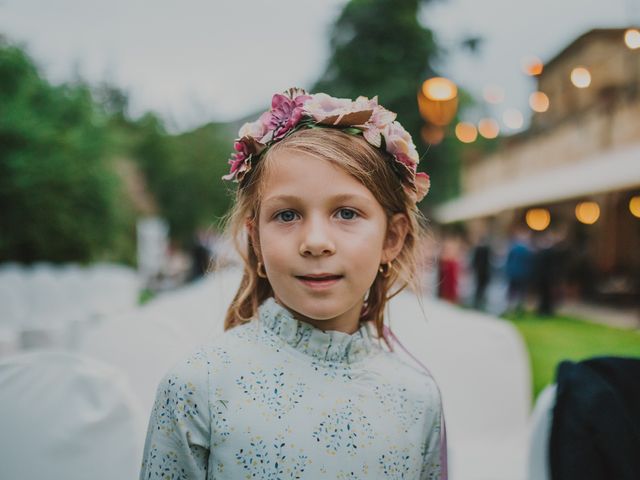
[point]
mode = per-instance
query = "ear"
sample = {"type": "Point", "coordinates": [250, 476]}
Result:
{"type": "Point", "coordinates": [396, 234]}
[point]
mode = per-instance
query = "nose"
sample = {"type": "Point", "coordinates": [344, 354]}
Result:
{"type": "Point", "coordinates": [316, 238]}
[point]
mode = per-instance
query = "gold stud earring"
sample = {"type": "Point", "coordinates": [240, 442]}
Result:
{"type": "Point", "coordinates": [386, 273]}
{"type": "Point", "coordinates": [260, 264]}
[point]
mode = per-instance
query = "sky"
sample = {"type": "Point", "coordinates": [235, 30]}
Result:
{"type": "Point", "coordinates": [195, 61]}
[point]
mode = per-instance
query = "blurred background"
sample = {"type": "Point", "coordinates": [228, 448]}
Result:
{"type": "Point", "coordinates": [116, 122]}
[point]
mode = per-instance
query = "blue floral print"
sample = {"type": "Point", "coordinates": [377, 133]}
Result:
{"type": "Point", "coordinates": [276, 398]}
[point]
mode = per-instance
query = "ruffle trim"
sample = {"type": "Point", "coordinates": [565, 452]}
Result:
{"type": "Point", "coordinates": [330, 345]}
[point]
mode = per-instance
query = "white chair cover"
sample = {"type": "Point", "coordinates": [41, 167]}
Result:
{"type": "Point", "coordinates": [145, 342]}
{"type": "Point", "coordinates": [540, 430]}
{"type": "Point", "coordinates": [66, 417]}
{"type": "Point", "coordinates": [482, 368]}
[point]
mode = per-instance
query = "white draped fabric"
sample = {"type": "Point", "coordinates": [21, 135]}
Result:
{"type": "Point", "coordinates": [538, 463]}
{"type": "Point", "coordinates": [47, 305]}
{"type": "Point", "coordinates": [67, 417]}
{"type": "Point", "coordinates": [482, 368]}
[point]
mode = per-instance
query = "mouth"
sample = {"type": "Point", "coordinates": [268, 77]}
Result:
{"type": "Point", "coordinates": [319, 281]}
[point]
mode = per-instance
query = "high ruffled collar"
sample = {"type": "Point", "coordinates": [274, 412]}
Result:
{"type": "Point", "coordinates": [330, 345]}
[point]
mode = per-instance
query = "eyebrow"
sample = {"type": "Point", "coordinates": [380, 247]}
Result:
{"type": "Point", "coordinates": [336, 198]}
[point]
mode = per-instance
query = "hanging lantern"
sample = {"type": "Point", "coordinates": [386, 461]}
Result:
{"type": "Point", "coordinates": [438, 101]}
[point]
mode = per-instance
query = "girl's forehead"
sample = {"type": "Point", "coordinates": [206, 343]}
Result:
{"type": "Point", "coordinates": [299, 174]}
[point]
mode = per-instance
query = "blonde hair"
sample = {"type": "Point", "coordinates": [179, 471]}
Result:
{"type": "Point", "coordinates": [372, 168]}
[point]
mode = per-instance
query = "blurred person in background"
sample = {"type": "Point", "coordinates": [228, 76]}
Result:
{"type": "Point", "coordinates": [481, 265]}
{"type": "Point", "coordinates": [449, 268]}
{"type": "Point", "coordinates": [200, 255]}
{"type": "Point", "coordinates": [427, 258]}
{"type": "Point", "coordinates": [548, 266]}
{"type": "Point", "coordinates": [518, 270]}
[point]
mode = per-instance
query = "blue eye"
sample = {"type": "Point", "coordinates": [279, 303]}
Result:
{"type": "Point", "coordinates": [352, 213]}
{"type": "Point", "coordinates": [287, 213]}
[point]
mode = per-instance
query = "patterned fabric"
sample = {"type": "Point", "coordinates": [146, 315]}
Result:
{"type": "Point", "coordinates": [277, 398]}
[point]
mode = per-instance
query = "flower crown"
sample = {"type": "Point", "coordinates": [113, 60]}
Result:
{"type": "Point", "coordinates": [295, 109]}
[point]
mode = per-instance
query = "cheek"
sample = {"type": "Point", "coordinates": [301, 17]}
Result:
{"type": "Point", "coordinates": [374, 234]}
{"type": "Point", "coordinates": [276, 249]}
{"type": "Point", "coordinates": [365, 248]}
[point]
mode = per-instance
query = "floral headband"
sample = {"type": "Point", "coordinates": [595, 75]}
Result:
{"type": "Point", "coordinates": [295, 109]}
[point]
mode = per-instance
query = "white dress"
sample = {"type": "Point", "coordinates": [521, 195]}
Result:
{"type": "Point", "coordinates": [277, 398]}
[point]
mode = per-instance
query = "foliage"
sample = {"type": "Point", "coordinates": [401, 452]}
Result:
{"type": "Point", "coordinates": [379, 48]}
{"type": "Point", "coordinates": [58, 190]}
{"type": "Point", "coordinates": [61, 196]}
{"type": "Point", "coordinates": [145, 296]}
{"type": "Point", "coordinates": [184, 173]}
{"type": "Point", "coordinates": [553, 339]}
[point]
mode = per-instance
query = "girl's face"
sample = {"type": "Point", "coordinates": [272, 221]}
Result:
{"type": "Point", "coordinates": [317, 219]}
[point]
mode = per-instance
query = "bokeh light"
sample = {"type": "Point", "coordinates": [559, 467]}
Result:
{"type": "Point", "coordinates": [432, 134]}
{"type": "Point", "coordinates": [488, 128]}
{"type": "Point", "coordinates": [538, 218]}
{"type": "Point", "coordinates": [632, 38]}
{"type": "Point", "coordinates": [634, 206]}
{"type": "Point", "coordinates": [493, 94]}
{"type": "Point", "coordinates": [466, 132]}
{"type": "Point", "coordinates": [587, 212]}
{"type": "Point", "coordinates": [539, 102]}
{"type": "Point", "coordinates": [532, 66]}
{"type": "Point", "coordinates": [513, 118]}
{"type": "Point", "coordinates": [439, 88]}
{"type": "Point", "coordinates": [580, 77]}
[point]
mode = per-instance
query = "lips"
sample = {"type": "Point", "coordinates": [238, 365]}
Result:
{"type": "Point", "coordinates": [322, 277]}
{"type": "Point", "coordinates": [319, 282]}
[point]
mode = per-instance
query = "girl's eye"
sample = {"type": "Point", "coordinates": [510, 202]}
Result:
{"type": "Point", "coordinates": [351, 214]}
{"type": "Point", "coordinates": [289, 215]}
{"type": "Point", "coordinates": [286, 215]}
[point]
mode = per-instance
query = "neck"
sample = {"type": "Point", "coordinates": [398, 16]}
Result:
{"type": "Point", "coordinates": [348, 322]}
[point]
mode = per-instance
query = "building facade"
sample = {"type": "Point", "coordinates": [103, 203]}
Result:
{"type": "Point", "coordinates": [577, 167]}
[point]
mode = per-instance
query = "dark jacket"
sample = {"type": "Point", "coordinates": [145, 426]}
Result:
{"type": "Point", "coordinates": [595, 433]}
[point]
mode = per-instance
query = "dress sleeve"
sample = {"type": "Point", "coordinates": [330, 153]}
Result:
{"type": "Point", "coordinates": [434, 465]}
{"type": "Point", "coordinates": [177, 442]}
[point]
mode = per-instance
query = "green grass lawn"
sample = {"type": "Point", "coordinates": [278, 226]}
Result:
{"type": "Point", "coordinates": [553, 339]}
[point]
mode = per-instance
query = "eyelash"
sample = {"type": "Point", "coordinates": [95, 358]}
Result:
{"type": "Point", "coordinates": [340, 210]}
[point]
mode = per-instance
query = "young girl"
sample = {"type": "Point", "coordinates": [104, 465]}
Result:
{"type": "Point", "coordinates": [298, 386]}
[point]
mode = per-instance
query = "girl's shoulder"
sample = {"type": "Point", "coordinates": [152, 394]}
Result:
{"type": "Point", "coordinates": [217, 351]}
{"type": "Point", "coordinates": [212, 352]}
{"type": "Point", "coordinates": [408, 376]}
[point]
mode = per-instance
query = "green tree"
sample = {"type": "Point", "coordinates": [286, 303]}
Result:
{"type": "Point", "coordinates": [379, 48]}
{"type": "Point", "coordinates": [60, 198]}
{"type": "Point", "coordinates": [183, 172]}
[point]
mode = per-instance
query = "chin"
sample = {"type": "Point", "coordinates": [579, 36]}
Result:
{"type": "Point", "coordinates": [318, 313]}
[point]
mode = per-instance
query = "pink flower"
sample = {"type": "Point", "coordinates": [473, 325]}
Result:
{"type": "Point", "coordinates": [328, 110]}
{"type": "Point", "coordinates": [286, 111]}
{"type": "Point", "coordinates": [373, 128]}
{"type": "Point", "coordinates": [422, 183]}
{"type": "Point", "coordinates": [364, 115]}
{"type": "Point", "coordinates": [239, 161]}
{"type": "Point", "coordinates": [321, 106]}
{"type": "Point", "coordinates": [400, 145]}
{"type": "Point", "coordinates": [255, 129]}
